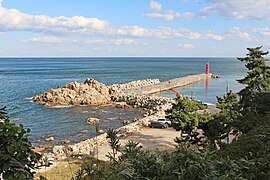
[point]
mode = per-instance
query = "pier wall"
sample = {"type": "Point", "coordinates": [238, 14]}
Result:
{"type": "Point", "coordinates": [169, 84]}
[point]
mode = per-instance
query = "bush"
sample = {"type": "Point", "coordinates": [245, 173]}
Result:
{"type": "Point", "coordinates": [16, 155]}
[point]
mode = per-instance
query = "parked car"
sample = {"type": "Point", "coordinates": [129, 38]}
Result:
{"type": "Point", "coordinates": [160, 123]}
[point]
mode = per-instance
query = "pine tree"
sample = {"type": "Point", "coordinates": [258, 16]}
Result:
{"type": "Point", "coordinates": [258, 76]}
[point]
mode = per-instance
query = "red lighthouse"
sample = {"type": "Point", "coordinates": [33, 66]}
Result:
{"type": "Point", "coordinates": [207, 68]}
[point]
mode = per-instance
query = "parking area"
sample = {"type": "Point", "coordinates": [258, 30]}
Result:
{"type": "Point", "coordinates": [149, 138]}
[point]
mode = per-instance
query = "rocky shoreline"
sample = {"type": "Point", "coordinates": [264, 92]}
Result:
{"type": "Point", "coordinates": [92, 92]}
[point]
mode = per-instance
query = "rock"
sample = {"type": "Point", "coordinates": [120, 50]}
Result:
{"type": "Point", "coordinates": [49, 139]}
{"type": "Point", "coordinates": [65, 141]}
{"type": "Point", "coordinates": [91, 92]}
{"type": "Point", "coordinates": [38, 149]}
{"type": "Point", "coordinates": [93, 120]}
{"type": "Point", "coordinates": [125, 122]}
{"type": "Point", "coordinates": [59, 149]}
{"type": "Point", "coordinates": [48, 146]}
{"type": "Point", "coordinates": [122, 105]}
{"type": "Point", "coordinates": [100, 131]}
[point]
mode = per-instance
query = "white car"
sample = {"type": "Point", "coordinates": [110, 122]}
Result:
{"type": "Point", "coordinates": [160, 123]}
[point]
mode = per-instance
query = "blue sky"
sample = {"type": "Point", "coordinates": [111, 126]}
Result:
{"type": "Point", "coordinates": [38, 28]}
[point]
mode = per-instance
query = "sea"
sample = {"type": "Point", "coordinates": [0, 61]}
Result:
{"type": "Point", "coordinates": [23, 78]}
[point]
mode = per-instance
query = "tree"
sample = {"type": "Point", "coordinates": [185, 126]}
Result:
{"type": "Point", "coordinates": [185, 118]}
{"type": "Point", "coordinates": [16, 155]}
{"type": "Point", "coordinates": [254, 98]}
{"type": "Point", "coordinates": [114, 143]}
{"type": "Point", "coordinates": [258, 76]}
{"type": "Point", "coordinates": [222, 123]}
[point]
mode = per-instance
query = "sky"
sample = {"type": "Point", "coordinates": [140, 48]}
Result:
{"type": "Point", "coordinates": [90, 28]}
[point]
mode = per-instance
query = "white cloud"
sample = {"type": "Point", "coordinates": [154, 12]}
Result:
{"type": "Point", "coordinates": [58, 40]}
{"type": "Point", "coordinates": [12, 19]}
{"type": "Point", "coordinates": [112, 42]}
{"type": "Point", "coordinates": [15, 20]}
{"type": "Point", "coordinates": [155, 6]}
{"type": "Point", "coordinates": [161, 32]}
{"type": "Point", "coordinates": [235, 32]}
{"type": "Point", "coordinates": [238, 9]}
{"type": "Point", "coordinates": [215, 37]}
{"type": "Point", "coordinates": [186, 15]}
{"type": "Point", "coordinates": [170, 15]}
{"type": "Point", "coordinates": [167, 16]}
{"type": "Point", "coordinates": [266, 32]}
{"type": "Point", "coordinates": [45, 39]}
{"type": "Point", "coordinates": [262, 31]}
{"type": "Point", "coordinates": [187, 46]}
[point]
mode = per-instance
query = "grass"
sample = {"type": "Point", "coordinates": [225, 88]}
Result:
{"type": "Point", "coordinates": [64, 170]}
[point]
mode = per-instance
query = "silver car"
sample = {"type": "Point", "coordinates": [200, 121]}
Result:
{"type": "Point", "coordinates": [160, 123]}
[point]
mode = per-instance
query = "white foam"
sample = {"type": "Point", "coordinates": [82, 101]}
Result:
{"type": "Point", "coordinates": [30, 98]}
{"type": "Point", "coordinates": [66, 106]}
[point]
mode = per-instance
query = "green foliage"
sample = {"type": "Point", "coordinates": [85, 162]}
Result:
{"type": "Point", "coordinates": [16, 155]}
{"type": "Point", "coordinates": [114, 143]}
{"type": "Point", "coordinates": [184, 115]}
{"type": "Point", "coordinates": [254, 98]}
{"type": "Point", "coordinates": [3, 113]}
{"type": "Point", "coordinates": [255, 147]}
{"type": "Point", "coordinates": [258, 76]}
{"type": "Point", "coordinates": [223, 122]}
{"type": "Point", "coordinates": [136, 163]}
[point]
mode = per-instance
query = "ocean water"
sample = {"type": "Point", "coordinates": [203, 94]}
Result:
{"type": "Point", "coordinates": [23, 78]}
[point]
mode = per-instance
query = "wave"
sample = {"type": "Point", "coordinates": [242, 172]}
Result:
{"type": "Point", "coordinates": [64, 106]}
{"type": "Point", "coordinates": [29, 98]}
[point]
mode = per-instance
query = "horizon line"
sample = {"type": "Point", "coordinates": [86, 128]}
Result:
{"type": "Point", "coordinates": [119, 56]}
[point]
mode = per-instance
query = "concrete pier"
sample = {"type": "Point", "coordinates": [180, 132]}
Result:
{"type": "Point", "coordinates": [169, 84]}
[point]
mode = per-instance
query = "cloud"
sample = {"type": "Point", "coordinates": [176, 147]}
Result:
{"type": "Point", "coordinates": [170, 15]}
{"type": "Point", "coordinates": [112, 42]}
{"type": "Point", "coordinates": [235, 32]}
{"type": "Point", "coordinates": [160, 32]}
{"type": "Point", "coordinates": [12, 19]}
{"type": "Point", "coordinates": [15, 20]}
{"type": "Point", "coordinates": [266, 32]}
{"type": "Point", "coordinates": [263, 31]}
{"type": "Point", "coordinates": [58, 40]}
{"type": "Point", "coordinates": [239, 9]}
{"type": "Point", "coordinates": [155, 6]}
{"type": "Point", "coordinates": [45, 39]}
{"type": "Point", "coordinates": [187, 46]}
{"type": "Point", "coordinates": [215, 37]}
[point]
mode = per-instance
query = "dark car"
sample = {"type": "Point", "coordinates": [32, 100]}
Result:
{"type": "Point", "coordinates": [160, 123]}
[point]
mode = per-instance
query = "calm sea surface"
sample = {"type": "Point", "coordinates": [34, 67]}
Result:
{"type": "Point", "coordinates": [23, 78]}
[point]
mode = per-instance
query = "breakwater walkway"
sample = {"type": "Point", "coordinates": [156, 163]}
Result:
{"type": "Point", "coordinates": [169, 84]}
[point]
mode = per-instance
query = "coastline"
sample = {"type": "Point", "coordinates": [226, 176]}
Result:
{"type": "Point", "coordinates": [129, 95]}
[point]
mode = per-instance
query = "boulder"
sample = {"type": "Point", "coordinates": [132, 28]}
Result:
{"type": "Point", "coordinates": [93, 120]}
{"type": "Point", "coordinates": [100, 131]}
{"type": "Point", "coordinates": [49, 139]}
{"type": "Point", "coordinates": [65, 141]}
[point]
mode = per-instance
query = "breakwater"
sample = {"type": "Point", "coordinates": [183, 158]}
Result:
{"type": "Point", "coordinates": [169, 84]}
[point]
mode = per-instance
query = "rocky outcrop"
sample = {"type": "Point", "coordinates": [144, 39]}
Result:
{"type": "Point", "coordinates": [91, 92]}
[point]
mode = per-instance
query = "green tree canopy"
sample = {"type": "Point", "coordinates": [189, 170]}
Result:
{"type": "Point", "coordinates": [257, 78]}
{"type": "Point", "coordinates": [16, 155]}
